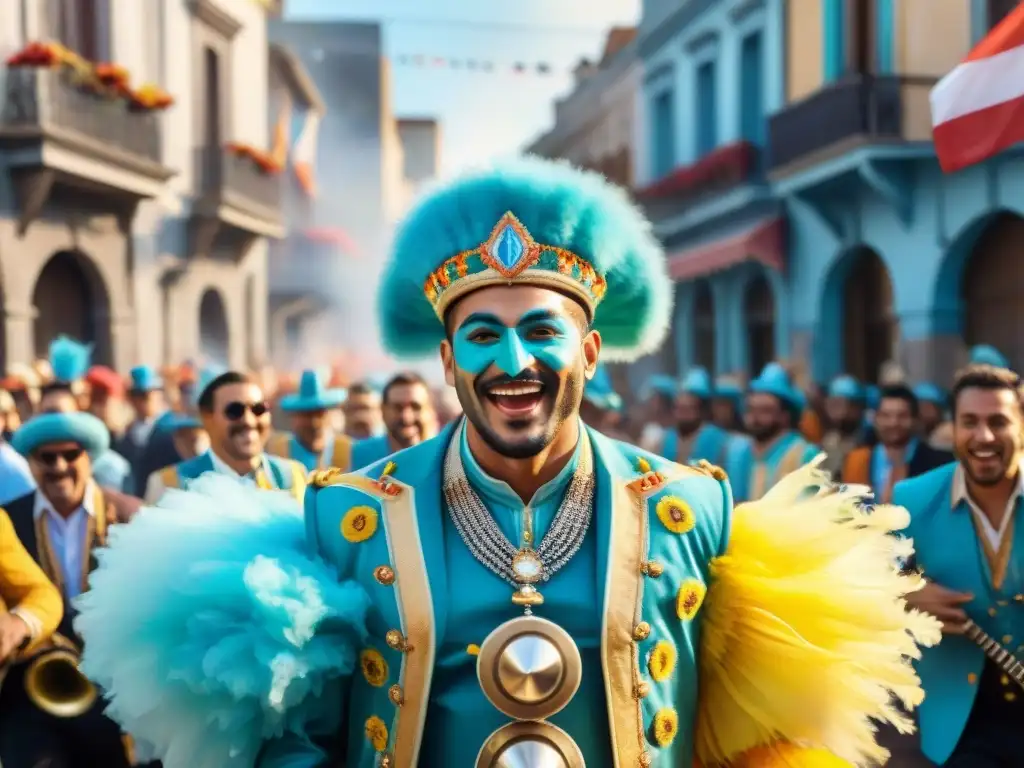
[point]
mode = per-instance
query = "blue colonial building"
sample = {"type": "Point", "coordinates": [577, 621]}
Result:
{"type": "Point", "coordinates": [791, 176]}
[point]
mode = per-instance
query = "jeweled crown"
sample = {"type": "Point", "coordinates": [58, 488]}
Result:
{"type": "Point", "coordinates": [511, 255]}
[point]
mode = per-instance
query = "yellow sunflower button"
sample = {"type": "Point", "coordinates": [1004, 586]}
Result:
{"type": "Point", "coordinates": [376, 733]}
{"type": "Point", "coordinates": [675, 514]}
{"type": "Point", "coordinates": [359, 524]}
{"type": "Point", "coordinates": [375, 668]}
{"type": "Point", "coordinates": [688, 601]}
{"type": "Point", "coordinates": [661, 661]}
{"type": "Point", "coordinates": [666, 725]}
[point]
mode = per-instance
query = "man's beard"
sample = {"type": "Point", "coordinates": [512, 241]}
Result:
{"type": "Point", "coordinates": [848, 427]}
{"type": "Point", "coordinates": [687, 428]}
{"type": "Point", "coordinates": [767, 433]}
{"type": "Point", "coordinates": [472, 398]}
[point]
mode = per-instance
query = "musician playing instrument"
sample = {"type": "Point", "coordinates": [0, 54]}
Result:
{"type": "Point", "coordinates": [61, 525]}
{"type": "Point", "coordinates": [968, 546]}
{"type": "Point", "coordinates": [520, 589]}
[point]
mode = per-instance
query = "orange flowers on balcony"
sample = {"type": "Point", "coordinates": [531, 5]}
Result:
{"type": "Point", "coordinates": [264, 160]}
{"type": "Point", "coordinates": [104, 79]}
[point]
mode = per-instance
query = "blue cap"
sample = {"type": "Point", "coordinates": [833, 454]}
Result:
{"type": "Point", "coordinates": [79, 427]}
{"type": "Point", "coordinates": [926, 392]}
{"type": "Point", "coordinates": [985, 354]}
{"type": "Point", "coordinates": [660, 384]}
{"type": "Point", "coordinates": [69, 359]}
{"type": "Point", "coordinates": [313, 394]}
{"type": "Point", "coordinates": [204, 379]}
{"type": "Point", "coordinates": [728, 388]}
{"type": "Point", "coordinates": [172, 421]}
{"type": "Point", "coordinates": [145, 379]}
{"type": "Point", "coordinates": [697, 382]}
{"type": "Point", "coordinates": [774, 380]}
{"type": "Point", "coordinates": [846, 387]}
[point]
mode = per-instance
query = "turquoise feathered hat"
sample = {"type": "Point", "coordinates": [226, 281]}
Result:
{"type": "Point", "coordinates": [846, 387]}
{"type": "Point", "coordinates": [774, 380]}
{"type": "Point", "coordinates": [697, 382]}
{"type": "Point", "coordinates": [78, 427]}
{"type": "Point", "coordinates": [660, 384]}
{"type": "Point", "coordinates": [985, 354]}
{"type": "Point", "coordinates": [534, 222]}
{"type": "Point", "coordinates": [600, 391]}
{"type": "Point", "coordinates": [144, 378]}
{"type": "Point", "coordinates": [926, 392]}
{"type": "Point", "coordinates": [313, 394]}
{"type": "Point", "coordinates": [69, 359]}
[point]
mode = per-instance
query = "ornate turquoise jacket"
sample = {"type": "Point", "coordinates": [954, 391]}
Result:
{"type": "Point", "coordinates": [658, 524]}
{"type": "Point", "coordinates": [949, 551]}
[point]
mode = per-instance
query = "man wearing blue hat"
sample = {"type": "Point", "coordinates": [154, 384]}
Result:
{"type": "Point", "coordinates": [727, 404]}
{"type": "Point", "coordinates": [236, 416]}
{"type": "Point", "coordinates": [312, 442]}
{"type": "Point", "coordinates": [408, 413]}
{"type": "Point", "coordinates": [845, 426]}
{"type": "Point", "coordinates": [146, 396]}
{"type": "Point", "coordinates": [517, 534]}
{"type": "Point", "coordinates": [658, 397]}
{"type": "Point", "coordinates": [933, 413]}
{"type": "Point", "coordinates": [62, 525]}
{"type": "Point", "coordinates": [695, 438]}
{"type": "Point", "coordinates": [601, 407]}
{"type": "Point", "coordinates": [69, 362]}
{"type": "Point", "coordinates": [774, 447]}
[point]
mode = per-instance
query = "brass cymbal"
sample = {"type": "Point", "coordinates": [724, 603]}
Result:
{"type": "Point", "coordinates": [529, 745]}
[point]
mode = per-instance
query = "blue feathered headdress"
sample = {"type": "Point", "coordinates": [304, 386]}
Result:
{"type": "Point", "coordinates": [69, 359]}
{"type": "Point", "coordinates": [529, 221]}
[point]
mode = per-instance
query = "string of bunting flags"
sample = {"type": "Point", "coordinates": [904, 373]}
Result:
{"type": "Point", "coordinates": [484, 66]}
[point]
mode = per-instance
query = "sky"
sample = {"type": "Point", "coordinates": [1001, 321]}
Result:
{"type": "Point", "coordinates": [482, 115]}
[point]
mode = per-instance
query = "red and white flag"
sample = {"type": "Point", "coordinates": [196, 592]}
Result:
{"type": "Point", "coordinates": [978, 108]}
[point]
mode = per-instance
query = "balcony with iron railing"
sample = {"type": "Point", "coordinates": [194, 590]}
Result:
{"type": "Point", "coordinates": [45, 108]}
{"type": "Point", "coordinates": [854, 111]}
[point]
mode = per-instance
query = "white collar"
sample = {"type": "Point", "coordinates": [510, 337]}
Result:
{"type": "Point", "coordinates": [222, 467]}
{"type": "Point", "coordinates": [959, 488]}
{"type": "Point", "coordinates": [43, 505]}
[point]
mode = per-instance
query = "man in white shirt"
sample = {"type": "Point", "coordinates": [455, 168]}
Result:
{"type": "Point", "coordinates": [62, 524]}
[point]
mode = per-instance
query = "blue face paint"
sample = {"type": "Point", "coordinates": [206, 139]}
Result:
{"type": "Point", "coordinates": [540, 336]}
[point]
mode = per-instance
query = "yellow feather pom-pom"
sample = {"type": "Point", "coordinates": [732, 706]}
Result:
{"type": "Point", "coordinates": [806, 635]}
{"type": "Point", "coordinates": [790, 756]}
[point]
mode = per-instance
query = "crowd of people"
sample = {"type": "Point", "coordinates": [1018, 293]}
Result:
{"type": "Point", "coordinates": [723, 542]}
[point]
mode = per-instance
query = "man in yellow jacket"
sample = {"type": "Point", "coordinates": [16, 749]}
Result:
{"type": "Point", "coordinates": [30, 606]}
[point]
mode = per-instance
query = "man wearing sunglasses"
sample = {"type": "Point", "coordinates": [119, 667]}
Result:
{"type": "Point", "coordinates": [236, 416]}
{"type": "Point", "coordinates": [62, 525]}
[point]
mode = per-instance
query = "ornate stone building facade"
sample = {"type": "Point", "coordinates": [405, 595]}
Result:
{"type": "Point", "coordinates": [144, 232]}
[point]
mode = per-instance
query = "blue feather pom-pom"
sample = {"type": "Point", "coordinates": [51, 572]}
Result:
{"type": "Point", "coordinates": [212, 628]}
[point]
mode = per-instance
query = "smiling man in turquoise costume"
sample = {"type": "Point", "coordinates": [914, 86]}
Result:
{"type": "Point", "coordinates": [312, 443]}
{"type": "Point", "coordinates": [695, 438]}
{"type": "Point", "coordinates": [775, 447]}
{"type": "Point", "coordinates": [519, 590]}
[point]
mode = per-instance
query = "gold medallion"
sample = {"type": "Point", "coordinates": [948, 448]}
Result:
{"type": "Point", "coordinates": [529, 668]}
{"type": "Point", "coordinates": [537, 745]}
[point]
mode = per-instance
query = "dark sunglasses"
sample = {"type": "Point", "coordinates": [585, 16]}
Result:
{"type": "Point", "coordinates": [49, 458]}
{"type": "Point", "coordinates": [235, 411]}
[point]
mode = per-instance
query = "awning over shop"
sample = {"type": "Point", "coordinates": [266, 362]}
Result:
{"type": "Point", "coordinates": [763, 242]}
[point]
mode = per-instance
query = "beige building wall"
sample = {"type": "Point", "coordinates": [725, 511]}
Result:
{"type": "Point", "coordinates": [804, 48]}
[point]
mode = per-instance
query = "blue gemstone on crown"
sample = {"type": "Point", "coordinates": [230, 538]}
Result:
{"type": "Point", "coordinates": [509, 247]}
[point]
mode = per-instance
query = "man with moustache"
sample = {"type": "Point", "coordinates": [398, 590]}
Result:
{"type": "Point", "coordinates": [408, 412]}
{"type": "Point", "coordinates": [774, 447]}
{"type": "Point", "coordinates": [312, 442]}
{"type": "Point", "coordinates": [236, 417]}
{"type": "Point", "coordinates": [727, 404]}
{"type": "Point", "coordinates": [964, 519]}
{"type": "Point", "coordinates": [844, 414]}
{"type": "Point", "coordinates": [362, 412]}
{"type": "Point", "coordinates": [695, 438]}
{"type": "Point", "coordinates": [62, 525]}
{"type": "Point", "coordinates": [518, 546]}
{"type": "Point", "coordinates": [898, 454]}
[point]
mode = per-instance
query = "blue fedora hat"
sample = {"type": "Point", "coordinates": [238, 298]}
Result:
{"type": "Point", "coordinates": [986, 354]}
{"type": "Point", "coordinates": [313, 394]}
{"type": "Point", "coordinates": [82, 428]}
{"type": "Point", "coordinates": [927, 392]}
{"type": "Point", "coordinates": [659, 384]}
{"type": "Point", "coordinates": [774, 380]}
{"type": "Point", "coordinates": [697, 382]}
{"type": "Point", "coordinates": [144, 378]}
{"type": "Point", "coordinates": [847, 388]}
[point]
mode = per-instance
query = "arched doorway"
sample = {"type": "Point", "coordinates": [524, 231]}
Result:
{"type": "Point", "coordinates": [992, 288]}
{"type": "Point", "coordinates": [70, 298]}
{"type": "Point", "coordinates": [213, 328]}
{"type": "Point", "coordinates": [703, 325]}
{"type": "Point", "coordinates": [869, 325]}
{"type": "Point", "coordinates": [759, 320]}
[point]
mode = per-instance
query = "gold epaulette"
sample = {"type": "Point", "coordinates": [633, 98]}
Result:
{"type": "Point", "coordinates": [321, 478]}
{"type": "Point", "coordinates": [705, 467]}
